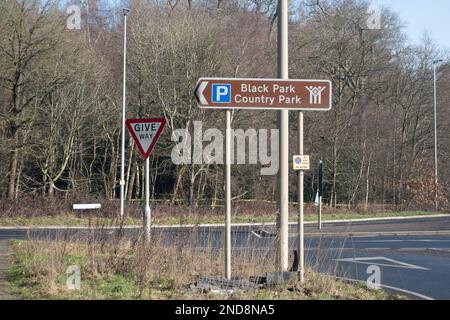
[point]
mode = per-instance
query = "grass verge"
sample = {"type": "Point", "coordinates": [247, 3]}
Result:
{"type": "Point", "coordinates": [74, 220]}
{"type": "Point", "coordinates": [127, 270]}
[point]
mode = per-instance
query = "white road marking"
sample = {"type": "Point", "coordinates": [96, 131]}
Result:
{"type": "Point", "coordinates": [369, 261]}
{"type": "Point", "coordinates": [407, 240]}
{"type": "Point", "coordinates": [256, 235]}
{"type": "Point", "coordinates": [424, 249]}
{"type": "Point", "coordinates": [412, 293]}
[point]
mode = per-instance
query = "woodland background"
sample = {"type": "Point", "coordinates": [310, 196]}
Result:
{"type": "Point", "coordinates": [60, 100]}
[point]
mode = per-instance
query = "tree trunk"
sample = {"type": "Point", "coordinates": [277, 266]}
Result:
{"type": "Point", "coordinates": [13, 167]}
{"type": "Point", "coordinates": [192, 188]}
{"type": "Point", "coordinates": [216, 184]}
{"type": "Point", "coordinates": [333, 198]}
{"type": "Point", "coordinates": [178, 179]}
{"type": "Point", "coordinates": [131, 183]}
{"type": "Point", "coordinates": [19, 174]}
{"type": "Point", "coordinates": [51, 189]}
{"type": "Point", "coordinates": [367, 185]}
{"type": "Point", "coordinates": [138, 182]}
{"type": "Point", "coordinates": [130, 162]}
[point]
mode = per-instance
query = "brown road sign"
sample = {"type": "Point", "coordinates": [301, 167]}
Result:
{"type": "Point", "coordinates": [264, 94]}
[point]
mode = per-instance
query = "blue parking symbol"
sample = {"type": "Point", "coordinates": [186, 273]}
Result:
{"type": "Point", "coordinates": [221, 93]}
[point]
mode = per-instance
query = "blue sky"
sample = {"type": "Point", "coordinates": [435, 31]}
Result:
{"type": "Point", "coordinates": [420, 16]}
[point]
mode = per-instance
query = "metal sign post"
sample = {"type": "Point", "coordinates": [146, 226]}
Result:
{"type": "Point", "coordinates": [228, 195]}
{"type": "Point", "coordinates": [436, 202]}
{"type": "Point", "coordinates": [146, 133]}
{"type": "Point", "coordinates": [301, 163]}
{"type": "Point", "coordinates": [283, 126]}
{"type": "Point", "coordinates": [147, 211]}
{"type": "Point", "coordinates": [301, 178]}
{"type": "Point", "coordinates": [122, 166]}
{"type": "Point", "coordinates": [279, 94]}
{"type": "Point", "coordinates": [320, 187]}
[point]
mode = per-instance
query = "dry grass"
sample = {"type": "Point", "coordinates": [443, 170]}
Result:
{"type": "Point", "coordinates": [123, 269]}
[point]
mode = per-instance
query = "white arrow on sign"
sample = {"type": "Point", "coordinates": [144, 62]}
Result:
{"type": "Point", "coordinates": [199, 92]}
{"type": "Point", "coordinates": [145, 133]}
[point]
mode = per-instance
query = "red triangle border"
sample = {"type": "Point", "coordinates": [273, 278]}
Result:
{"type": "Point", "coordinates": [130, 122]}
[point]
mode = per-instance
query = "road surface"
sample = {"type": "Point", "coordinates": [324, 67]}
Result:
{"type": "Point", "coordinates": [412, 255]}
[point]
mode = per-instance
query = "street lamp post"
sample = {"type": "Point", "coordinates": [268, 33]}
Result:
{"type": "Point", "coordinates": [435, 136]}
{"type": "Point", "coordinates": [122, 166]}
{"type": "Point", "coordinates": [283, 126]}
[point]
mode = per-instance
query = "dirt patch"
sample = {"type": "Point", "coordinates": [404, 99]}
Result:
{"type": "Point", "coordinates": [4, 266]}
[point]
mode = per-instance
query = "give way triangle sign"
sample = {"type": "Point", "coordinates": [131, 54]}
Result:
{"type": "Point", "coordinates": [145, 133]}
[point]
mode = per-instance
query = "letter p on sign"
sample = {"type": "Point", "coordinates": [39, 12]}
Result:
{"type": "Point", "coordinates": [221, 93]}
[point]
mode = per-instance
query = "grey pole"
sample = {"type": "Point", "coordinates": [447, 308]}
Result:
{"type": "Point", "coordinates": [320, 213]}
{"type": "Point", "coordinates": [122, 167]}
{"type": "Point", "coordinates": [228, 195]}
{"type": "Point", "coordinates": [283, 126]}
{"type": "Point", "coordinates": [301, 178]}
{"type": "Point", "coordinates": [319, 207]}
{"type": "Point", "coordinates": [147, 211]}
{"type": "Point", "coordinates": [435, 137]}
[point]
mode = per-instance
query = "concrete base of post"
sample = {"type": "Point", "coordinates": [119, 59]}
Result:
{"type": "Point", "coordinates": [278, 278]}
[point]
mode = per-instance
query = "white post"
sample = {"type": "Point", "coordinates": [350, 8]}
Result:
{"type": "Point", "coordinates": [283, 126]}
{"type": "Point", "coordinates": [147, 211]}
{"type": "Point", "coordinates": [301, 178]}
{"type": "Point", "coordinates": [122, 168]}
{"type": "Point", "coordinates": [435, 138]}
{"type": "Point", "coordinates": [228, 195]}
{"type": "Point", "coordinates": [319, 208]}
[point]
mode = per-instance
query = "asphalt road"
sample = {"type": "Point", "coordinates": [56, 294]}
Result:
{"type": "Point", "coordinates": [412, 256]}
